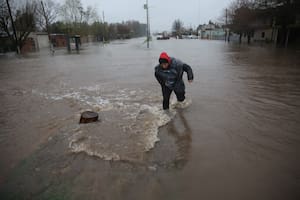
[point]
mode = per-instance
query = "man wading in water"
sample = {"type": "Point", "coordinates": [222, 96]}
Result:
{"type": "Point", "coordinates": [169, 75]}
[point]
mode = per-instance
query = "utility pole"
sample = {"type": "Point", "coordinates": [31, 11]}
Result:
{"type": "Point", "coordinates": [13, 26]}
{"type": "Point", "coordinates": [148, 25]}
{"type": "Point", "coordinates": [103, 39]}
{"type": "Point", "coordinates": [226, 17]}
{"type": "Point", "coordinates": [226, 27]}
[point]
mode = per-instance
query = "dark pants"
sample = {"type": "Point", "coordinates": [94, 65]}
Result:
{"type": "Point", "coordinates": [166, 96]}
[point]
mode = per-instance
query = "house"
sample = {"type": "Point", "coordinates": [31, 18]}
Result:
{"type": "Point", "coordinates": [267, 35]}
{"type": "Point", "coordinates": [42, 39]}
{"type": "Point", "coordinates": [278, 23]}
{"type": "Point", "coordinates": [29, 45]}
{"type": "Point", "coordinates": [211, 32]}
{"type": "Point", "coordinates": [35, 41]}
{"type": "Point", "coordinates": [58, 40]}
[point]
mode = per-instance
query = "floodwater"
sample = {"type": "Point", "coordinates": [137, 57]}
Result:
{"type": "Point", "coordinates": [237, 138]}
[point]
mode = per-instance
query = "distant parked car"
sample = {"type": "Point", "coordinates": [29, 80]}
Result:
{"type": "Point", "coordinates": [193, 37]}
{"type": "Point", "coordinates": [190, 37]}
{"type": "Point", "coordinates": [162, 37]}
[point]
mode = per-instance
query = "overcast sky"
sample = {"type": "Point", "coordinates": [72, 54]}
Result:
{"type": "Point", "coordinates": [162, 12]}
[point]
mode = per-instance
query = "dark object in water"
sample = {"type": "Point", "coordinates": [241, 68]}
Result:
{"type": "Point", "coordinates": [88, 117]}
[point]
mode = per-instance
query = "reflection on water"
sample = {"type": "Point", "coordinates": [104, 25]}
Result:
{"type": "Point", "coordinates": [239, 139]}
{"type": "Point", "coordinates": [183, 139]}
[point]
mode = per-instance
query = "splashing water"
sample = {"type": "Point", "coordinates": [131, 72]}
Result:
{"type": "Point", "coordinates": [129, 122]}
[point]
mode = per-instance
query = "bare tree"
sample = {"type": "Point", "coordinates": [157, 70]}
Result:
{"type": "Point", "coordinates": [23, 17]}
{"type": "Point", "coordinates": [47, 14]}
{"type": "Point", "coordinates": [72, 11]}
{"type": "Point", "coordinates": [5, 22]}
{"type": "Point", "coordinates": [76, 17]}
{"type": "Point", "coordinates": [240, 16]}
{"type": "Point", "coordinates": [90, 15]}
{"type": "Point", "coordinates": [177, 27]}
{"type": "Point", "coordinates": [25, 22]}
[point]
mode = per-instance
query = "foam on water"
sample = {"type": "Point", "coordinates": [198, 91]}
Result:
{"type": "Point", "coordinates": [129, 125]}
{"type": "Point", "coordinates": [127, 138]}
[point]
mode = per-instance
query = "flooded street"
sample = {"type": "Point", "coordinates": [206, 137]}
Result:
{"type": "Point", "coordinates": [239, 137]}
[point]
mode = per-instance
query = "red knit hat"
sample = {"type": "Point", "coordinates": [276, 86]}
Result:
{"type": "Point", "coordinates": [164, 58]}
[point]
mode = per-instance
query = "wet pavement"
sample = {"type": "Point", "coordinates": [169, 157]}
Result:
{"type": "Point", "coordinates": [238, 138]}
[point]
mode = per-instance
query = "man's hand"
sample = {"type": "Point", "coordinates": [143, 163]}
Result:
{"type": "Point", "coordinates": [190, 81]}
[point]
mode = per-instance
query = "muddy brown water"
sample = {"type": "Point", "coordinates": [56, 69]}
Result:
{"type": "Point", "coordinates": [238, 138]}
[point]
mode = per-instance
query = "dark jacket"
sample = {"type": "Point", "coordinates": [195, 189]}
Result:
{"type": "Point", "coordinates": [172, 77]}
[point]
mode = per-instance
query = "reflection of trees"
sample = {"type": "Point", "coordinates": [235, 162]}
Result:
{"type": "Point", "coordinates": [182, 140]}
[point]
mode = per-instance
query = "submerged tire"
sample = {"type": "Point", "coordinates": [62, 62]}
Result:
{"type": "Point", "coordinates": [88, 117]}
